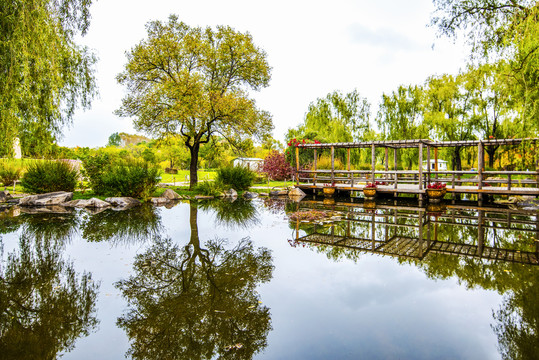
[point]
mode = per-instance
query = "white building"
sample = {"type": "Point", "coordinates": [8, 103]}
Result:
{"type": "Point", "coordinates": [442, 165]}
{"type": "Point", "coordinates": [254, 164]}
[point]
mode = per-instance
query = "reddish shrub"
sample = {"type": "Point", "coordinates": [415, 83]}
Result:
{"type": "Point", "coordinates": [276, 166]}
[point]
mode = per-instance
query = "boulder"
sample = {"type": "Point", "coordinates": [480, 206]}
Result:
{"type": "Point", "coordinates": [249, 195]}
{"type": "Point", "coordinates": [230, 193]}
{"type": "Point", "coordinates": [278, 192]}
{"type": "Point", "coordinates": [123, 202]}
{"type": "Point", "coordinates": [171, 195]}
{"type": "Point", "coordinates": [203, 197]}
{"type": "Point", "coordinates": [296, 192]}
{"type": "Point", "coordinates": [49, 199]}
{"type": "Point", "coordinates": [263, 194]}
{"type": "Point", "coordinates": [93, 203]}
{"type": "Point", "coordinates": [5, 196]}
{"type": "Point", "coordinates": [159, 201]}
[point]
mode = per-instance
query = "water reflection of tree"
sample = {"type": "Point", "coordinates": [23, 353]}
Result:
{"type": "Point", "coordinates": [233, 213]}
{"type": "Point", "coordinates": [139, 223]}
{"type": "Point", "coordinates": [44, 304]}
{"type": "Point", "coordinates": [197, 303]}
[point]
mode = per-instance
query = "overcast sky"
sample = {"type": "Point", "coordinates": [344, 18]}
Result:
{"type": "Point", "coordinates": [314, 48]}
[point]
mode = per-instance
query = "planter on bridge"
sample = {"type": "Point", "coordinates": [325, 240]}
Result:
{"type": "Point", "coordinates": [329, 190]}
{"type": "Point", "coordinates": [370, 191]}
{"type": "Point", "coordinates": [436, 192]}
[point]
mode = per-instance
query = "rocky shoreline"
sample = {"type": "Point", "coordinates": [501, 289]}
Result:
{"type": "Point", "coordinates": [62, 201]}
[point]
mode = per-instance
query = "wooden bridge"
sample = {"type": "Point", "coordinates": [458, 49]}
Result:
{"type": "Point", "coordinates": [414, 232]}
{"type": "Point", "coordinates": [415, 182]}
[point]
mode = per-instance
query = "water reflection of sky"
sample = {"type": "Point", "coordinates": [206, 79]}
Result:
{"type": "Point", "coordinates": [375, 308]}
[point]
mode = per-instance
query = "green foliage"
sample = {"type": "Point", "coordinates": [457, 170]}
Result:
{"type": "Point", "coordinates": [136, 179]}
{"type": "Point", "coordinates": [114, 140]}
{"type": "Point", "coordinates": [49, 176]}
{"type": "Point", "coordinates": [239, 178]}
{"type": "Point", "coordinates": [45, 76]}
{"type": "Point", "coordinates": [208, 188]}
{"type": "Point", "coordinates": [9, 172]}
{"type": "Point", "coordinates": [194, 82]}
{"type": "Point", "coordinates": [112, 175]}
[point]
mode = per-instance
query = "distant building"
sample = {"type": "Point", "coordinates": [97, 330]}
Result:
{"type": "Point", "coordinates": [442, 165]}
{"type": "Point", "coordinates": [254, 164]}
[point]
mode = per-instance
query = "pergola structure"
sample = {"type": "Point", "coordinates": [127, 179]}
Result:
{"type": "Point", "coordinates": [415, 182]}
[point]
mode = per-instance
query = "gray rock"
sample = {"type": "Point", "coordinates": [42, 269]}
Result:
{"type": "Point", "coordinates": [93, 203]}
{"type": "Point", "coordinates": [171, 195]}
{"type": "Point", "coordinates": [296, 192]}
{"type": "Point", "coordinates": [249, 195]}
{"type": "Point", "coordinates": [230, 193]}
{"type": "Point", "coordinates": [49, 199]}
{"type": "Point", "coordinates": [124, 202]}
{"type": "Point", "coordinates": [5, 196]}
{"type": "Point", "coordinates": [160, 201]}
{"type": "Point", "coordinates": [203, 197]}
{"type": "Point", "coordinates": [263, 194]}
{"type": "Point", "coordinates": [278, 192]}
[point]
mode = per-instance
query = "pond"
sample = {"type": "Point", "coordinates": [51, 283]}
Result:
{"type": "Point", "coordinates": [205, 280]}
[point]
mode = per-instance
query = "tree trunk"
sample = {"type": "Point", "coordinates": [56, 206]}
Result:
{"type": "Point", "coordinates": [457, 162]}
{"type": "Point", "coordinates": [491, 150]}
{"type": "Point", "coordinates": [193, 166]}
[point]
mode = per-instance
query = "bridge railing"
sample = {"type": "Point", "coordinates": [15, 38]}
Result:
{"type": "Point", "coordinates": [357, 178]}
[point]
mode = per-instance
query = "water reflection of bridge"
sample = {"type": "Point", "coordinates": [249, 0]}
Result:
{"type": "Point", "coordinates": [492, 234]}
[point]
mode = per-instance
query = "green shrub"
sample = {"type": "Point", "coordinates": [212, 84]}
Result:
{"type": "Point", "coordinates": [94, 168]}
{"type": "Point", "coordinates": [208, 188]}
{"type": "Point", "coordinates": [132, 178]}
{"type": "Point", "coordinates": [239, 178]}
{"type": "Point", "coordinates": [49, 176]}
{"type": "Point", "coordinates": [9, 173]}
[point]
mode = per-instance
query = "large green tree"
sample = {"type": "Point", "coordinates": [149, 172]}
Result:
{"type": "Point", "coordinates": [448, 110]}
{"type": "Point", "coordinates": [44, 74]}
{"type": "Point", "coordinates": [194, 82]}
{"type": "Point", "coordinates": [400, 116]}
{"type": "Point", "coordinates": [506, 30]}
{"type": "Point", "coordinates": [336, 118]}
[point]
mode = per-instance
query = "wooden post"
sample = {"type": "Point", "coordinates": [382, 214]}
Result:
{"type": "Point", "coordinates": [436, 162]}
{"type": "Point", "coordinates": [386, 164]}
{"type": "Point", "coordinates": [509, 182]}
{"type": "Point", "coordinates": [480, 233]}
{"type": "Point", "coordinates": [348, 164]}
{"type": "Point", "coordinates": [420, 162]}
{"type": "Point", "coordinates": [315, 166]}
{"type": "Point", "coordinates": [297, 165]}
{"type": "Point", "coordinates": [480, 164]}
{"type": "Point", "coordinates": [428, 164]}
{"type": "Point", "coordinates": [395, 184]}
{"type": "Point", "coordinates": [332, 165]}
{"type": "Point", "coordinates": [373, 160]}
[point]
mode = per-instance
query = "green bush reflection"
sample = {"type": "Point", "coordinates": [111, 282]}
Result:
{"type": "Point", "coordinates": [197, 301]}
{"type": "Point", "coordinates": [137, 224]}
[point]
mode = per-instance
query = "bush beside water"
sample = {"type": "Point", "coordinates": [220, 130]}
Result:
{"type": "Point", "coordinates": [49, 176]}
{"type": "Point", "coordinates": [134, 178]}
{"type": "Point", "coordinates": [239, 178]}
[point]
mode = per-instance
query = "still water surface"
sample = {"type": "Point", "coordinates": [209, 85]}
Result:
{"type": "Point", "coordinates": [241, 280]}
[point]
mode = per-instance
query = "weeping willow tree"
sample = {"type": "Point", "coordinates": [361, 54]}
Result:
{"type": "Point", "coordinates": [44, 75]}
